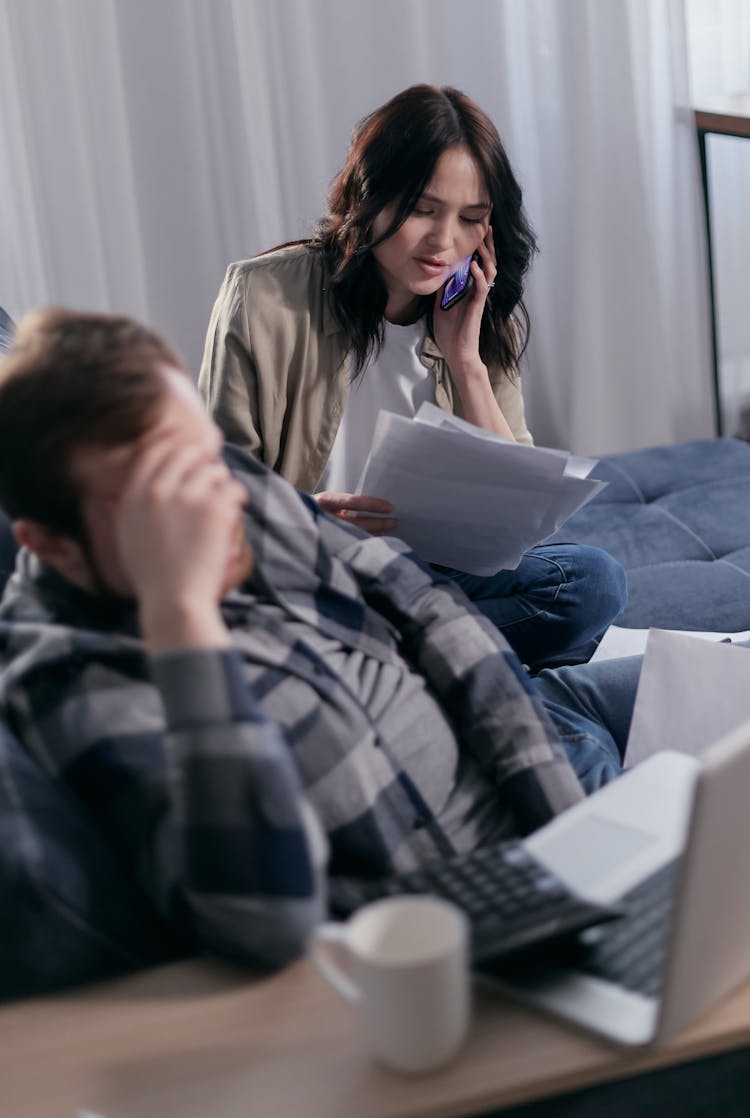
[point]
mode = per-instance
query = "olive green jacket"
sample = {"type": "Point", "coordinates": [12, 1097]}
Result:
{"type": "Point", "coordinates": [275, 373]}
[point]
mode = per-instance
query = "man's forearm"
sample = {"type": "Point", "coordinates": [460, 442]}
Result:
{"type": "Point", "coordinates": [247, 853]}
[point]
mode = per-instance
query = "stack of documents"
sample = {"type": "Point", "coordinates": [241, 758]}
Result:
{"type": "Point", "coordinates": [690, 692]}
{"type": "Point", "coordinates": [466, 498]}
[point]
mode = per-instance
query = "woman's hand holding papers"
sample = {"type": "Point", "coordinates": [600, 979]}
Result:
{"type": "Point", "coordinates": [355, 507]}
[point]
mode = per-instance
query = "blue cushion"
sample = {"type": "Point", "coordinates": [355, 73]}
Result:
{"type": "Point", "coordinates": [68, 912]}
{"type": "Point", "coordinates": [6, 330]}
{"type": "Point", "coordinates": [677, 519]}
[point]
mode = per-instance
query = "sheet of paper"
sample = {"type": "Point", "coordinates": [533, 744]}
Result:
{"type": "Point", "coordinates": [546, 462]}
{"type": "Point", "coordinates": [449, 456]}
{"type": "Point", "coordinates": [573, 465]}
{"type": "Point", "coordinates": [619, 641]}
{"type": "Point", "coordinates": [579, 467]}
{"type": "Point", "coordinates": [690, 693]}
{"type": "Point", "coordinates": [466, 498]}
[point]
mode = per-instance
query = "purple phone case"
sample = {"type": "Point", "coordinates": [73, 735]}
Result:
{"type": "Point", "coordinates": [458, 285]}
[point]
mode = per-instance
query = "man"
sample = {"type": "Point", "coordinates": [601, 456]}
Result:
{"type": "Point", "coordinates": [226, 676]}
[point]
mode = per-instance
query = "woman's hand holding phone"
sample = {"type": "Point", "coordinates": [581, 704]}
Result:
{"type": "Point", "coordinates": [457, 334]}
{"type": "Point", "coordinates": [457, 328]}
{"type": "Point", "coordinates": [355, 507]}
{"type": "Point", "coordinates": [459, 285]}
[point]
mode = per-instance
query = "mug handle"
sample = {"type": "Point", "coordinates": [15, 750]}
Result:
{"type": "Point", "coordinates": [331, 933]}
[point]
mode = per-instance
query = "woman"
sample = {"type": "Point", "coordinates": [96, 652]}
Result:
{"type": "Point", "coordinates": [308, 342]}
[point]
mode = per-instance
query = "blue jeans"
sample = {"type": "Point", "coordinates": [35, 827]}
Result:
{"type": "Point", "coordinates": [592, 707]}
{"type": "Point", "coordinates": [554, 607]}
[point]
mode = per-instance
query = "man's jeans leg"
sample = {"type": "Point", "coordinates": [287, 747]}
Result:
{"type": "Point", "coordinates": [592, 707]}
{"type": "Point", "coordinates": [555, 606]}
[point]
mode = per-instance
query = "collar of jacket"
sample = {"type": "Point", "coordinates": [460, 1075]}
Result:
{"type": "Point", "coordinates": [431, 356]}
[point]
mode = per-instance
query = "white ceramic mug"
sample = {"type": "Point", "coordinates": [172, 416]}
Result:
{"type": "Point", "coordinates": [405, 961]}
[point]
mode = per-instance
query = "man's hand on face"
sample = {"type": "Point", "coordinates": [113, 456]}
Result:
{"type": "Point", "coordinates": [180, 535]}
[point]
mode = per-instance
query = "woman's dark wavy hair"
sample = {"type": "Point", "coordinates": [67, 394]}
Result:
{"type": "Point", "coordinates": [392, 158]}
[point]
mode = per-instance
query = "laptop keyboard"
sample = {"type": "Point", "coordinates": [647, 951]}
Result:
{"type": "Point", "coordinates": [514, 904]}
{"type": "Point", "coordinates": [631, 952]}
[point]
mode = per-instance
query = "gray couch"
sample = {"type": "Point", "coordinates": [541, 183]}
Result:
{"type": "Point", "coordinates": [677, 519]}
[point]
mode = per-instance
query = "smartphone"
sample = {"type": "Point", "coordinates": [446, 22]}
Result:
{"type": "Point", "coordinates": [459, 284]}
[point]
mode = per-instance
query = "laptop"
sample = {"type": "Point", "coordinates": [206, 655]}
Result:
{"type": "Point", "coordinates": [672, 819]}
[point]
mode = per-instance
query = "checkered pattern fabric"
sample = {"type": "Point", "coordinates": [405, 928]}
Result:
{"type": "Point", "coordinates": [214, 801]}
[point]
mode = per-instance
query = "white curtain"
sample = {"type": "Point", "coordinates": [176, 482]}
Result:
{"type": "Point", "coordinates": [146, 143]}
{"type": "Point", "coordinates": [719, 40]}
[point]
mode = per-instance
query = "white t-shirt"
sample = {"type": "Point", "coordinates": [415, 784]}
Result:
{"type": "Point", "coordinates": [395, 381]}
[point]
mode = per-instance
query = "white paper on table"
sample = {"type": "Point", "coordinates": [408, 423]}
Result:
{"type": "Point", "coordinates": [618, 641]}
{"type": "Point", "coordinates": [690, 693]}
{"type": "Point", "coordinates": [464, 497]}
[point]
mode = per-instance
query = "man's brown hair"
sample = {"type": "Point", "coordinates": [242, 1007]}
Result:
{"type": "Point", "coordinates": [72, 380]}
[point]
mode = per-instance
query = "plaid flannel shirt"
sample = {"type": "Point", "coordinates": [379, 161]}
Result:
{"type": "Point", "coordinates": [210, 799]}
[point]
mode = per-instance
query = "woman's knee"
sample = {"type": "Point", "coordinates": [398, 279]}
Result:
{"type": "Point", "coordinates": [601, 581]}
